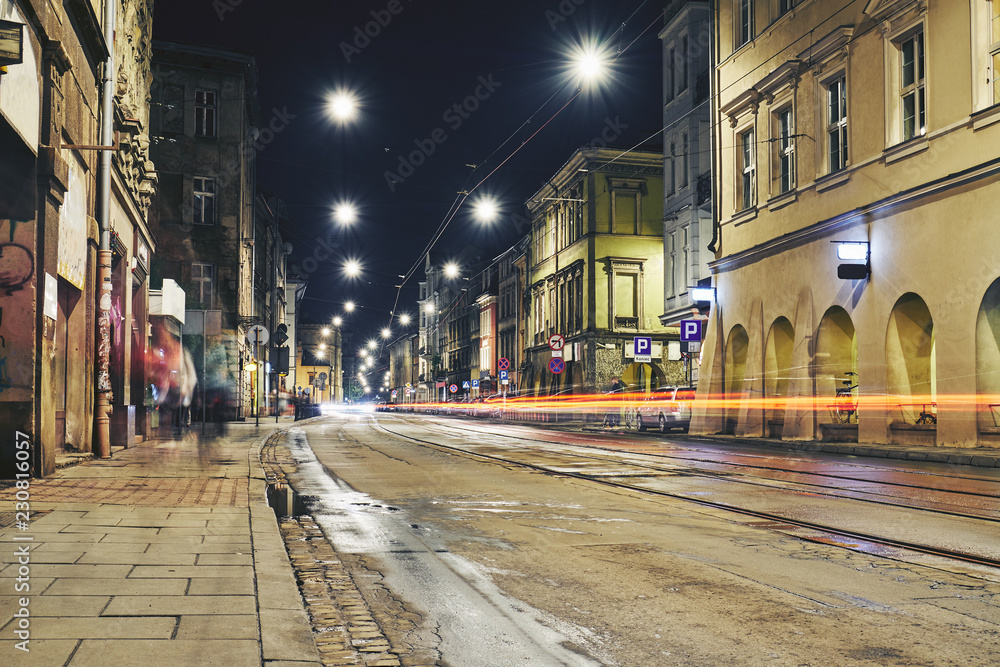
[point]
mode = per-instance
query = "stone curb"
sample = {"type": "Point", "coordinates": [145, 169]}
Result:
{"type": "Point", "coordinates": [286, 634]}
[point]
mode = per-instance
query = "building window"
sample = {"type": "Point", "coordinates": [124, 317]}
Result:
{"type": "Point", "coordinates": [786, 150]}
{"type": "Point", "coordinates": [748, 169]}
{"type": "Point", "coordinates": [668, 84]}
{"type": "Point", "coordinates": [204, 201]}
{"type": "Point", "coordinates": [911, 90]}
{"type": "Point", "coordinates": [204, 113]}
{"type": "Point", "coordinates": [684, 159]}
{"type": "Point", "coordinates": [836, 126]}
{"type": "Point", "coordinates": [785, 6]}
{"type": "Point", "coordinates": [172, 110]}
{"type": "Point", "coordinates": [203, 280]}
{"type": "Point", "coordinates": [994, 49]}
{"type": "Point", "coordinates": [744, 18]}
{"type": "Point", "coordinates": [682, 57]}
{"type": "Point", "coordinates": [685, 259]}
{"type": "Point", "coordinates": [626, 295]}
{"type": "Point", "coordinates": [672, 273]}
{"type": "Point", "coordinates": [671, 176]}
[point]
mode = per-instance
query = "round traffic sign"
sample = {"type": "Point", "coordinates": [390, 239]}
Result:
{"type": "Point", "coordinates": [557, 342]}
{"type": "Point", "coordinates": [453, 388]}
{"type": "Point", "coordinates": [503, 364]}
{"type": "Point", "coordinates": [557, 365]}
{"type": "Point", "coordinates": [257, 335]}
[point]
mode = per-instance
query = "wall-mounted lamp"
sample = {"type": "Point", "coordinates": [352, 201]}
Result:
{"type": "Point", "coordinates": [702, 293]}
{"type": "Point", "coordinates": [854, 251]}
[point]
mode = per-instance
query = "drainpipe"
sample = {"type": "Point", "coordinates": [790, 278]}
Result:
{"type": "Point", "coordinates": [103, 409]}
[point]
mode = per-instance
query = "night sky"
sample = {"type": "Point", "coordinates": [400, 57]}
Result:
{"type": "Point", "coordinates": [425, 59]}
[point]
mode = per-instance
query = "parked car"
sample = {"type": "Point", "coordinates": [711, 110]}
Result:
{"type": "Point", "coordinates": [666, 408]}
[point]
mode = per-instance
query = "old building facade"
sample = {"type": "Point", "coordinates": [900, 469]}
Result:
{"type": "Point", "coordinates": [204, 112]}
{"type": "Point", "coordinates": [595, 272]}
{"type": "Point", "coordinates": [873, 122]}
{"type": "Point", "coordinates": [51, 202]}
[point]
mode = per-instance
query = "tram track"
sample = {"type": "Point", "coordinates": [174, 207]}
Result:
{"type": "Point", "coordinates": [767, 519]}
{"type": "Point", "coordinates": [798, 486]}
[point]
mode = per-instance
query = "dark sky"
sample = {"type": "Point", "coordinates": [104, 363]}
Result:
{"type": "Point", "coordinates": [426, 58]}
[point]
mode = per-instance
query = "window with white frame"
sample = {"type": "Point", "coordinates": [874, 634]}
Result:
{"type": "Point", "coordinates": [911, 91]}
{"type": "Point", "coordinates": [204, 113]}
{"type": "Point", "coordinates": [203, 279]}
{"type": "Point", "coordinates": [682, 64]}
{"type": "Point", "coordinates": [786, 149]}
{"type": "Point", "coordinates": [993, 40]}
{"type": "Point", "coordinates": [684, 159]}
{"type": "Point", "coordinates": [747, 170]}
{"type": "Point", "coordinates": [836, 123]}
{"type": "Point", "coordinates": [744, 22]}
{"type": "Point", "coordinates": [670, 75]}
{"type": "Point", "coordinates": [670, 177]}
{"type": "Point", "coordinates": [204, 201]}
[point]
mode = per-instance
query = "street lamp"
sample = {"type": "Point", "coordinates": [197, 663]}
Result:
{"type": "Point", "coordinates": [589, 64]}
{"type": "Point", "coordinates": [486, 209]}
{"type": "Point", "coordinates": [372, 345]}
{"type": "Point", "coordinates": [404, 319]}
{"type": "Point", "coordinates": [343, 106]}
{"type": "Point", "coordinates": [386, 332]}
{"type": "Point", "coordinates": [349, 307]}
{"type": "Point", "coordinates": [345, 213]}
{"type": "Point", "coordinates": [352, 268]}
{"type": "Point", "coordinates": [337, 321]}
{"type": "Point", "coordinates": [451, 270]}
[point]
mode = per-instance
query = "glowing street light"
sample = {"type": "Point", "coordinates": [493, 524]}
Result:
{"type": "Point", "coordinates": [372, 345]}
{"type": "Point", "coordinates": [404, 319]}
{"type": "Point", "coordinates": [345, 213]}
{"type": "Point", "coordinates": [352, 267]}
{"type": "Point", "coordinates": [589, 64]}
{"type": "Point", "coordinates": [325, 331]}
{"type": "Point", "coordinates": [343, 106]}
{"type": "Point", "coordinates": [322, 346]}
{"type": "Point", "coordinates": [429, 308]}
{"type": "Point", "coordinates": [337, 321]}
{"type": "Point", "coordinates": [386, 332]}
{"type": "Point", "coordinates": [349, 307]}
{"type": "Point", "coordinates": [486, 209]}
{"type": "Point", "coordinates": [451, 270]}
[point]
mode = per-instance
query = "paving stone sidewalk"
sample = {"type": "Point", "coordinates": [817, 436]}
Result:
{"type": "Point", "coordinates": [166, 554]}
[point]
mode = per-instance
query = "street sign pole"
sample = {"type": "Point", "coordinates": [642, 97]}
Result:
{"type": "Point", "coordinates": [256, 389]}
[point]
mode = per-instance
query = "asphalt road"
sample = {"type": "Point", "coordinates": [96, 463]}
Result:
{"type": "Point", "coordinates": [508, 565]}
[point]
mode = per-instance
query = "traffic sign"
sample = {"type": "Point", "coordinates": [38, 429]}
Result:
{"type": "Point", "coordinates": [504, 375]}
{"type": "Point", "coordinates": [692, 330]}
{"type": "Point", "coordinates": [643, 349]}
{"type": "Point", "coordinates": [556, 342]}
{"type": "Point", "coordinates": [466, 385]}
{"type": "Point", "coordinates": [280, 335]}
{"type": "Point", "coordinates": [475, 384]}
{"type": "Point", "coordinates": [557, 354]}
{"type": "Point", "coordinates": [394, 393]}
{"type": "Point", "coordinates": [453, 388]}
{"type": "Point", "coordinates": [557, 365]}
{"type": "Point", "coordinates": [257, 335]}
{"type": "Point", "coordinates": [504, 364]}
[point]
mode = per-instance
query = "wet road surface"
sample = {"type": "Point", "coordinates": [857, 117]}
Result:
{"type": "Point", "coordinates": [509, 565]}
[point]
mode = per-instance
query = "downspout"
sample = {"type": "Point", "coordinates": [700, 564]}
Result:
{"type": "Point", "coordinates": [713, 90]}
{"type": "Point", "coordinates": [103, 408]}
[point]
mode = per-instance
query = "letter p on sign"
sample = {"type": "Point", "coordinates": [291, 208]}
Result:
{"type": "Point", "coordinates": [691, 331]}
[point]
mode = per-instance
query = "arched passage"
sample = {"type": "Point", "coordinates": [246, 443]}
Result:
{"type": "Point", "coordinates": [777, 369]}
{"type": "Point", "coordinates": [909, 356]}
{"type": "Point", "coordinates": [988, 356]}
{"type": "Point", "coordinates": [836, 356]}
{"type": "Point", "coordinates": [735, 371]}
{"type": "Point", "coordinates": [643, 377]}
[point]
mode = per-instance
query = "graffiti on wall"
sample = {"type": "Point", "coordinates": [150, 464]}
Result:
{"type": "Point", "coordinates": [17, 273]}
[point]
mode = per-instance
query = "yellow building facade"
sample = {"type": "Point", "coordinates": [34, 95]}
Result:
{"type": "Point", "coordinates": [873, 122]}
{"type": "Point", "coordinates": [595, 272]}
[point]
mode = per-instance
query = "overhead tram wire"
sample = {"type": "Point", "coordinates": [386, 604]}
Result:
{"type": "Point", "coordinates": [463, 195]}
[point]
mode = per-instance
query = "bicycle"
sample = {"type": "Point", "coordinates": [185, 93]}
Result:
{"type": "Point", "coordinates": [845, 405]}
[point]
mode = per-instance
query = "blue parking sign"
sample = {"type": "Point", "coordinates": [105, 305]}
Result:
{"type": "Point", "coordinates": [692, 331]}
